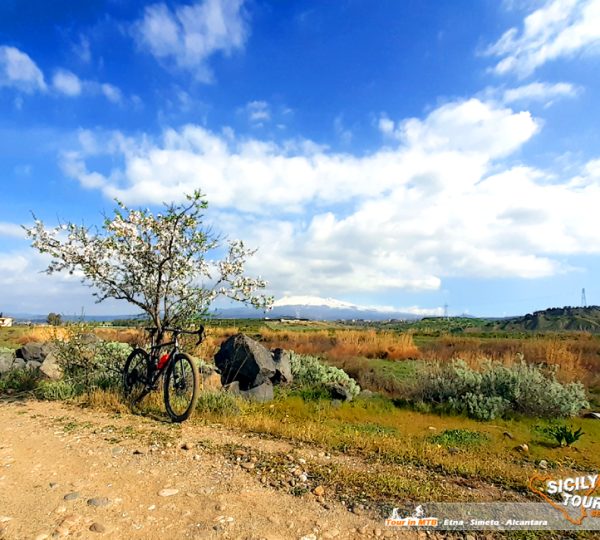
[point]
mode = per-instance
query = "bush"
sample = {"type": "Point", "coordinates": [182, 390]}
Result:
{"type": "Point", "coordinates": [309, 371]}
{"type": "Point", "coordinates": [57, 390]}
{"type": "Point", "coordinates": [19, 380]}
{"type": "Point", "coordinates": [564, 435]}
{"type": "Point", "coordinates": [498, 390]}
{"type": "Point", "coordinates": [89, 362]}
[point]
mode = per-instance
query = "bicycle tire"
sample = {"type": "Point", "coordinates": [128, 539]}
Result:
{"type": "Point", "coordinates": [181, 387]}
{"type": "Point", "coordinates": [135, 373]}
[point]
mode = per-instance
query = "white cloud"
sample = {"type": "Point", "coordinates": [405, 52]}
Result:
{"type": "Point", "coordinates": [18, 70]}
{"type": "Point", "coordinates": [190, 34]}
{"type": "Point", "coordinates": [558, 29]}
{"type": "Point", "coordinates": [67, 83]}
{"type": "Point", "coordinates": [111, 92]}
{"type": "Point", "coordinates": [439, 203]}
{"type": "Point", "coordinates": [538, 91]}
{"type": "Point", "coordinates": [11, 230]}
{"type": "Point", "coordinates": [257, 112]}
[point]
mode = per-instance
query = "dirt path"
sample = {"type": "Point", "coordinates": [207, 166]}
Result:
{"type": "Point", "coordinates": [72, 472]}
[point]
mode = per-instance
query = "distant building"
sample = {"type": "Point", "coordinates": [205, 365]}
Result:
{"type": "Point", "coordinates": [6, 321]}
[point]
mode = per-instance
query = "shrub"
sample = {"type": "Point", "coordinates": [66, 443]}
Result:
{"type": "Point", "coordinates": [57, 390]}
{"type": "Point", "coordinates": [19, 380]}
{"type": "Point", "coordinates": [499, 389]}
{"type": "Point", "coordinates": [309, 371]}
{"type": "Point", "coordinates": [564, 435]}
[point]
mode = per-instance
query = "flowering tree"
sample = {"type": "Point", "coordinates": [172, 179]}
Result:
{"type": "Point", "coordinates": [156, 262]}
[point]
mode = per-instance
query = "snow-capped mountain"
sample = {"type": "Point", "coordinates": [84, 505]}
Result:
{"type": "Point", "coordinates": [327, 309]}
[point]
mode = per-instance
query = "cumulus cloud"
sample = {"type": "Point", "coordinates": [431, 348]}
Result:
{"type": "Point", "coordinates": [67, 83]}
{"type": "Point", "coordinates": [11, 230]}
{"type": "Point", "coordinates": [18, 70]}
{"type": "Point", "coordinates": [190, 34]}
{"type": "Point", "coordinates": [439, 199]}
{"type": "Point", "coordinates": [558, 29]}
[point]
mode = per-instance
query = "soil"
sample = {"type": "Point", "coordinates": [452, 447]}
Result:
{"type": "Point", "coordinates": [66, 471]}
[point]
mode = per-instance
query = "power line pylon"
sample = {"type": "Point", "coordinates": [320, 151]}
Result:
{"type": "Point", "coordinates": [583, 300]}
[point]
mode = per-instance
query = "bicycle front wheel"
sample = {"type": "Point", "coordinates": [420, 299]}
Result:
{"type": "Point", "coordinates": [181, 387]}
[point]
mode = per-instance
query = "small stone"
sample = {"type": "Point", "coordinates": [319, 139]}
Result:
{"type": "Point", "coordinates": [378, 532]}
{"type": "Point", "coordinates": [42, 536]}
{"type": "Point", "coordinates": [508, 435]}
{"type": "Point", "coordinates": [168, 492]}
{"type": "Point", "coordinates": [319, 491]}
{"type": "Point", "coordinates": [53, 485]}
{"type": "Point", "coordinates": [71, 496]}
{"type": "Point", "coordinates": [197, 457]}
{"type": "Point", "coordinates": [116, 451]}
{"type": "Point", "coordinates": [221, 507]}
{"type": "Point", "coordinates": [239, 452]}
{"type": "Point", "coordinates": [152, 507]}
{"type": "Point", "coordinates": [543, 464]}
{"type": "Point", "coordinates": [138, 452]}
{"type": "Point", "coordinates": [431, 428]}
{"type": "Point", "coordinates": [4, 519]}
{"type": "Point", "coordinates": [97, 527]}
{"type": "Point", "coordinates": [309, 537]}
{"type": "Point", "coordinates": [522, 448]}
{"type": "Point", "coordinates": [98, 501]}
{"type": "Point", "coordinates": [302, 478]}
{"type": "Point", "coordinates": [333, 533]}
{"type": "Point", "coordinates": [248, 466]}
{"type": "Point", "coordinates": [187, 445]}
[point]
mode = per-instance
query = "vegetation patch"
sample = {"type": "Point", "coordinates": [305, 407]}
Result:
{"type": "Point", "coordinates": [460, 438]}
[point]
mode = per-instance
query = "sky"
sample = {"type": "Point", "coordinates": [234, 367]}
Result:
{"type": "Point", "coordinates": [414, 154]}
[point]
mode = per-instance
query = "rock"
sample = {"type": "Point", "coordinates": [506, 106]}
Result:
{"type": "Point", "coordinates": [592, 414]}
{"type": "Point", "coordinates": [34, 366]}
{"type": "Point", "coordinates": [246, 361]}
{"type": "Point", "coordinates": [35, 351]}
{"type": "Point", "coordinates": [333, 533]}
{"type": "Point", "coordinates": [337, 391]}
{"type": "Point", "coordinates": [51, 368]}
{"type": "Point", "coordinates": [97, 527]}
{"type": "Point", "coordinates": [543, 464]}
{"type": "Point", "coordinates": [19, 363]}
{"type": "Point", "coordinates": [508, 435]}
{"type": "Point", "coordinates": [98, 501]}
{"type": "Point", "coordinates": [168, 492]}
{"type": "Point", "coordinates": [319, 491]}
{"type": "Point", "coordinates": [71, 496]}
{"type": "Point", "coordinates": [187, 446]}
{"type": "Point", "coordinates": [283, 371]}
{"type": "Point", "coordinates": [522, 448]}
{"type": "Point", "coordinates": [431, 428]}
{"type": "Point", "coordinates": [247, 466]}
{"type": "Point", "coordinates": [7, 359]}
{"type": "Point", "coordinates": [261, 393]}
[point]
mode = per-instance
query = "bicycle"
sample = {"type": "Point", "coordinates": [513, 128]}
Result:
{"type": "Point", "coordinates": [143, 370]}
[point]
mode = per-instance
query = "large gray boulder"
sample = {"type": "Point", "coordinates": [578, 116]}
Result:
{"type": "Point", "coordinates": [35, 351]}
{"type": "Point", "coordinates": [283, 372]}
{"type": "Point", "coordinates": [7, 359]}
{"type": "Point", "coordinates": [51, 367]}
{"type": "Point", "coordinates": [260, 393]}
{"type": "Point", "coordinates": [246, 361]}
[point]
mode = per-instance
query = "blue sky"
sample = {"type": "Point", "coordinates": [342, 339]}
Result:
{"type": "Point", "coordinates": [408, 154]}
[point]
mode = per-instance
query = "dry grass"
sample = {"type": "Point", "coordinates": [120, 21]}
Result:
{"type": "Point", "coordinates": [576, 356]}
{"type": "Point", "coordinates": [343, 344]}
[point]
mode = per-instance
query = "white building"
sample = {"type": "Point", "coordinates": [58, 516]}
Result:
{"type": "Point", "coordinates": [6, 321]}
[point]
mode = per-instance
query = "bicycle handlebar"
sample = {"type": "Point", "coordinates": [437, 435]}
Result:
{"type": "Point", "coordinates": [200, 332]}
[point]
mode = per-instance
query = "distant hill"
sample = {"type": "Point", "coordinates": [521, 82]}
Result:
{"type": "Point", "coordinates": [575, 319]}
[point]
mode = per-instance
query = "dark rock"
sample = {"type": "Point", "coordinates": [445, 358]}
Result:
{"type": "Point", "coordinates": [594, 415]}
{"type": "Point", "coordinates": [246, 361]}
{"type": "Point", "coordinates": [97, 527]}
{"type": "Point", "coordinates": [7, 359]}
{"type": "Point", "coordinates": [283, 372]}
{"type": "Point", "coordinates": [337, 391]}
{"type": "Point", "coordinates": [34, 365]}
{"type": "Point", "coordinates": [34, 351]}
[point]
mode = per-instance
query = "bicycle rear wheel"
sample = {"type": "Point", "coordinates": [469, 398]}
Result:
{"type": "Point", "coordinates": [135, 374]}
{"type": "Point", "coordinates": [181, 387]}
